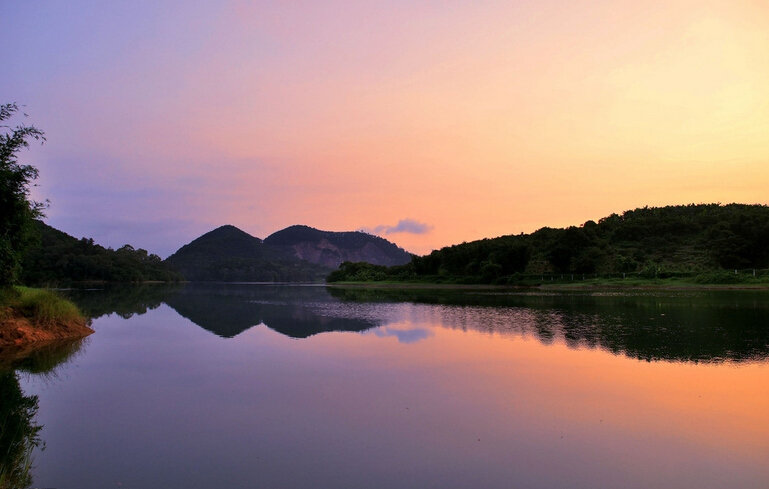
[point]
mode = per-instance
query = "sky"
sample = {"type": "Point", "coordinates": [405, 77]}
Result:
{"type": "Point", "coordinates": [429, 123]}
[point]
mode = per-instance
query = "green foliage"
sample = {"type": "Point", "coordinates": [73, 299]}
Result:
{"type": "Point", "coordinates": [42, 306]}
{"type": "Point", "coordinates": [34, 253]}
{"type": "Point", "coordinates": [57, 258]}
{"type": "Point", "coordinates": [359, 272]}
{"type": "Point", "coordinates": [720, 277]}
{"type": "Point", "coordinates": [488, 258]}
{"type": "Point", "coordinates": [46, 307]}
{"type": "Point", "coordinates": [651, 243]}
{"type": "Point", "coordinates": [16, 209]}
{"type": "Point", "coordinates": [366, 272]}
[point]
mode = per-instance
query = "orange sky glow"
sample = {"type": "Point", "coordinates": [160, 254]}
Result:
{"type": "Point", "coordinates": [476, 119]}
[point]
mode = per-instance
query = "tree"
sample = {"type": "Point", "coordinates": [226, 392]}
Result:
{"type": "Point", "coordinates": [17, 211]}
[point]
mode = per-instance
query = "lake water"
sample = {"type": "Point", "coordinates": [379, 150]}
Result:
{"type": "Point", "coordinates": [243, 386]}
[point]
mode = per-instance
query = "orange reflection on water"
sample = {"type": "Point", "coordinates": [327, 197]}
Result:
{"type": "Point", "coordinates": [588, 395]}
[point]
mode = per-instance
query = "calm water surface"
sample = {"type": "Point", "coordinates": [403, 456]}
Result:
{"type": "Point", "coordinates": [242, 386]}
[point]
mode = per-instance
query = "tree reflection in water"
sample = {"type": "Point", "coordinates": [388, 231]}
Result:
{"type": "Point", "coordinates": [19, 432]}
{"type": "Point", "coordinates": [680, 326]}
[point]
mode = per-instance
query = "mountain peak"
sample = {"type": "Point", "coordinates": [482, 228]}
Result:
{"type": "Point", "coordinates": [331, 248]}
{"type": "Point", "coordinates": [230, 254]}
{"type": "Point", "coordinates": [296, 253]}
{"type": "Point", "coordinates": [228, 231]}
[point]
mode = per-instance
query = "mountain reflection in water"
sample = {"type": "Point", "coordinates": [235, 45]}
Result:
{"type": "Point", "coordinates": [689, 326]}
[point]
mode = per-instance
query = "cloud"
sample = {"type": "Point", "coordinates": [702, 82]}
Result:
{"type": "Point", "coordinates": [404, 335]}
{"type": "Point", "coordinates": [404, 226]}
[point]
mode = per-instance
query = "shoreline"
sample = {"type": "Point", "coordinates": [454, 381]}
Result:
{"type": "Point", "coordinates": [32, 318]}
{"type": "Point", "coordinates": [549, 287]}
{"type": "Point", "coordinates": [18, 332]}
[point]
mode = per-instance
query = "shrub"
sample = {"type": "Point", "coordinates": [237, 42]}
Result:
{"type": "Point", "coordinates": [719, 277]}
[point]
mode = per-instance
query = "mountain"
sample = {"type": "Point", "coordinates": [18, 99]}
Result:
{"type": "Point", "coordinates": [228, 254]}
{"type": "Point", "coordinates": [698, 240]}
{"type": "Point", "coordinates": [294, 254]}
{"type": "Point", "coordinates": [58, 258]}
{"type": "Point", "coordinates": [330, 249]}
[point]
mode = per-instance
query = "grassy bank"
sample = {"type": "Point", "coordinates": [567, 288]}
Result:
{"type": "Point", "coordinates": [33, 317]}
{"type": "Point", "coordinates": [40, 306]}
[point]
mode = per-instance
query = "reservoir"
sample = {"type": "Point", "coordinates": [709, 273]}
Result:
{"type": "Point", "coordinates": [280, 386]}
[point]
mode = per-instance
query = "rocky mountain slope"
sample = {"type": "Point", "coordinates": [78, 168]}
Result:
{"type": "Point", "coordinates": [330, 249]}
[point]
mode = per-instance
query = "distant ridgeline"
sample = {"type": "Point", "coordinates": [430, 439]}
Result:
{"type": "Point", "coordinates": [704, 239]}
{"type": "Point", "coordinates": [58, 258]}
{"type": "Point", "coordinates": [294, 254]}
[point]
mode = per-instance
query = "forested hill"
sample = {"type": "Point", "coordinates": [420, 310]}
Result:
{"type": "Point", "coordinates": [58, 258]}
{"type": "Point", "coordinates": [294, 254]}
{"type": "Point", "coordinates": [651, 241]}
{"type": "Point", "coordinates": [228, 254]}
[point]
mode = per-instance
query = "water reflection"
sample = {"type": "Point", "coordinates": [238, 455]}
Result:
{"type": "Point", "coordinates": [488, 390]}
{"type": "Point", "coordinates": [123, 300]}
{"type": "Point", "coordinates": [228, 310]}
{"type": "Point", "coordinates": [696, 326]}
{"type": "Point", "coordinates": [666, 325]}
{"type": "Point", "coordinates": [404, 335]}
{"type": "Point", "coordinates": [20, 434]}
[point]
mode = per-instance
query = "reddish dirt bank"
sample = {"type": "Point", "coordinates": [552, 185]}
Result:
{"type": "Point", "coordinates": [18, 332]}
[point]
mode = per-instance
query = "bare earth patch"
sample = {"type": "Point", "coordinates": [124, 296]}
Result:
{"type": "Point", "coordinates": [18, 332]}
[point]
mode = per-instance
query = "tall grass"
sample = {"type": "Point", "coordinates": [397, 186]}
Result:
{"type": "Point", "coordinates": [41, 306]}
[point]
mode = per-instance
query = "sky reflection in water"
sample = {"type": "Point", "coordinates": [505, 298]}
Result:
{"type": "Point", "coordinates": [437, 391]}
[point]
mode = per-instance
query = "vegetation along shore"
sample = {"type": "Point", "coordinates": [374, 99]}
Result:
{"type": "Point", "coordinates": [685, 245]}
{"type": "Point", "coordinates": [28, 317]}
{"type": "Point", "coordinates": [36, 316]}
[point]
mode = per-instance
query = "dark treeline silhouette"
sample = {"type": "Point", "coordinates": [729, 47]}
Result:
{"type": "Point", "coordinates": [651, 242]}
{"type": "Point", "coordinates": [17, 210]}
{"type": "Point", "coordinates": [58, 258]}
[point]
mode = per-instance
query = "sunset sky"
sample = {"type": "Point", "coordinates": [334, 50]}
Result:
{"type": "Point", "coordinates": [430, 123]}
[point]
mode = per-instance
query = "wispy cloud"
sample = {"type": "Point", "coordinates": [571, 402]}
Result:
{"type": "Point", "coordinates": [404, 226]}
